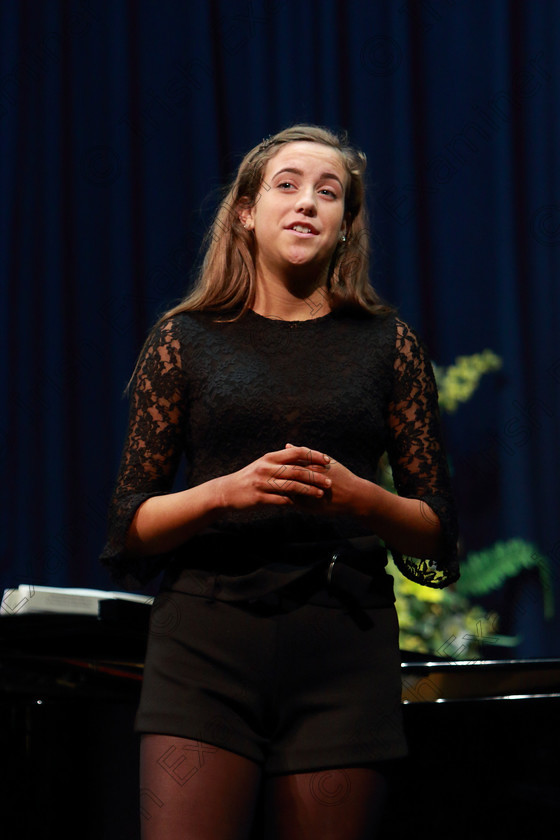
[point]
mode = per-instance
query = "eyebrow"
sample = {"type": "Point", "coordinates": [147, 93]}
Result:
{"type": "Point", "coordinates": [323, 177]}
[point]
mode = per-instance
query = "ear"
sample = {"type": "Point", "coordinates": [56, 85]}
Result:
{"type": "Point", "coordinates": [345, 226]}
{"type": "Point", "coordinates": [245, 213]}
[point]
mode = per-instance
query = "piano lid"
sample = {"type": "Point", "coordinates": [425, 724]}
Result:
{"type": "Point", "coordinates": [439, 682]}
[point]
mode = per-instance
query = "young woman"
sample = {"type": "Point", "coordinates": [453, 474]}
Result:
{"type": "Point", "coordinates": [273, 666]}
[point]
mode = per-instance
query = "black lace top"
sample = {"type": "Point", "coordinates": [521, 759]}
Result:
{"type": "Point", "coordinates": [223, 394]}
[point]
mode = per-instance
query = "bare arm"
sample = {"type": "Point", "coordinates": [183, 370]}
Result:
{"type": "Point", "coordinates": [409, 525]}
{"type": "Point", "coordinates": [164, 522]}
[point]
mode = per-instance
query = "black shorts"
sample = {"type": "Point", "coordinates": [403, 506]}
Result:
{"type": "Point", "coordinates": [294, 687]}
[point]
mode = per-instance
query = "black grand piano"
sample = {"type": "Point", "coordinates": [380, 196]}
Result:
{"type": "Point", "coordinates": [483, 736]}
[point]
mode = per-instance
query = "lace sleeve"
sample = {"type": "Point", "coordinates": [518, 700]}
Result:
{"type": "Point", "coordinates": [152, 451]}
{"type": "Point", "coordinates": [417, 456]}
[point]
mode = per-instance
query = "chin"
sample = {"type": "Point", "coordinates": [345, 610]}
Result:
{"type": "Point", "coordinates": [305, 258]}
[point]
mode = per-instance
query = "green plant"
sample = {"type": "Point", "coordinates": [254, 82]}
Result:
{"type": "Point", "coordinates": [443, 622]}
{"type": "Point", "coordinates": [458, 382]}
{"type": "Point", "coordinates": [487, 570]}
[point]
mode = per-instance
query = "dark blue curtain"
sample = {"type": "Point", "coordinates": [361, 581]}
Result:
{"type": "Point", "coordinates": [120, 121]}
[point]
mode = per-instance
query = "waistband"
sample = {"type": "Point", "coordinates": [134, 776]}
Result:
{"type": "Point", "coordinates": [325, 573]}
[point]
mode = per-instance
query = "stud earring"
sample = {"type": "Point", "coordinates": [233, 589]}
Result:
{"type": "Point", "coordinates": [343, 237]}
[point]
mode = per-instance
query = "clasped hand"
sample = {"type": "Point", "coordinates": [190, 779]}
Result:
{"type": "Point", "coordinates": [295, 476]}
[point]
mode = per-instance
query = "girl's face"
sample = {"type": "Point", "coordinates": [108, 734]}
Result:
{"type": "Point", "coordinates": [298, 217]}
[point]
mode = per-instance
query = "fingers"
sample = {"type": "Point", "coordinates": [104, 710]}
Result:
{"type": "Point", "coordinates": [286, 477]}
{"type": "Point", "coordinates": [294, 478]}
{"type": "Point", "coordinates": [304, 455]}
{"type": "Point", "coordinates": [313, 454]}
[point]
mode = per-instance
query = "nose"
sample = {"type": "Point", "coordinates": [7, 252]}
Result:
{"type": "Point", "coordinates": [306, 202]}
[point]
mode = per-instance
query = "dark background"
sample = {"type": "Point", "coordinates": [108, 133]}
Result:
{"type": "Point", "coordinates": [119, 123]}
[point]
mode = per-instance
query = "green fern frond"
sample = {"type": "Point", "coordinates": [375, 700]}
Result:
{"type": "Point", "coordinates": [487, 570]}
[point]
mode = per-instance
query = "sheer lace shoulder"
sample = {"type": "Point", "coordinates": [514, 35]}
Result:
{"type": "Point", "coordinates": [152, 450]}
{"type": "Point", "coordinates": [417, 455]}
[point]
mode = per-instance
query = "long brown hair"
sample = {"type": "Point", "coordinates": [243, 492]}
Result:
{"type": "Point", "coordinates": [226, 281]}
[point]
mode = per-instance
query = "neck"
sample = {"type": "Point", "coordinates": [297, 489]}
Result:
{"type": "Point", "coordinates": [294, 299]}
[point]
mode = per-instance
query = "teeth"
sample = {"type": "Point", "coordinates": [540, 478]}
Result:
{"type": "Point", "coordinates": [301, 228]}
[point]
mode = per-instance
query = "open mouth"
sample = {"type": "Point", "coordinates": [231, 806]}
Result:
{"type": "Point", "coordinates": [303, 229]}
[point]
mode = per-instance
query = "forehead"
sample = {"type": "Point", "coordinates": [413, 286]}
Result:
{"type": "Point", "coordinates": [315, 158]}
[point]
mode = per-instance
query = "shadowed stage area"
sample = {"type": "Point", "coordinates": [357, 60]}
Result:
{"type": "Point", "coordinates": [482, 734]}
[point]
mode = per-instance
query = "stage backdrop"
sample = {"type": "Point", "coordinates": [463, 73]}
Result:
{"type": "Point", "coordinates": [120, 122]}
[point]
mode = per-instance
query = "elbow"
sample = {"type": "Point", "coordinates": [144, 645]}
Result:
{"type": "Point", "coordinates": [433, 536]}
{"type": "Point", "coordinates": [135, 547]}
{"type": "Point", "coordinates": [438, 551]}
